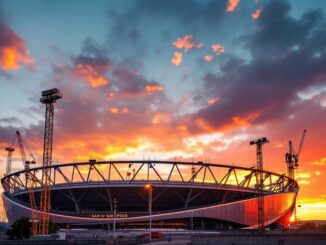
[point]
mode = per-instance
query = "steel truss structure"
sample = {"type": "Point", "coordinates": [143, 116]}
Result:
{"type": "Point", "coordinates": [175, 173]}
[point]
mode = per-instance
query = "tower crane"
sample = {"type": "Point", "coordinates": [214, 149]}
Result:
{"type": "Point", "coordinates": [292, 161]}
{"type": "Point", "coordinates": [30, 182]}
{"type": "Point", "coordinates": [49, 97]}
{"type": "Point", "coordinates": [292, 157]}
{"type": "Point", "coordinates": [9, 149]}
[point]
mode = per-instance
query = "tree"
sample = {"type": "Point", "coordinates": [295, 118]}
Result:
{"type": "Point", "coordinates": [20, 229]}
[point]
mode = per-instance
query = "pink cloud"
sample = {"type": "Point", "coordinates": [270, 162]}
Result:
{"type": "Point", "coordinates": [208, 58]}
{"type": "Point", "coordinates": [218, 49]}
{"type": "Point", "coordinates": [187, 42]}
{"type": "Point", "coordinates": [257, 13]}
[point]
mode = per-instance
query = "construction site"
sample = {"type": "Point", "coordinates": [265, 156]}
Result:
{"type": "Point", "coordinates": [150, 200]}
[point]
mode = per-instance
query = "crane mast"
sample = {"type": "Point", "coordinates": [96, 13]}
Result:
{"type": "Point", "coordinates": [260, 181]}
{"type": "Point", "coordinates": [30, 183]}
{"type": "Point", "coordinates": [9, 159]}
{"type": "Point", "coordinates": [49, 97]}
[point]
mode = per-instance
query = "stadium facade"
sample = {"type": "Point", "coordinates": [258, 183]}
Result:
{"type": "Point", "coordinates": [184, 195]}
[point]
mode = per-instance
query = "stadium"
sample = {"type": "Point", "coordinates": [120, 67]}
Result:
{"type": "Point", "coordinates": [183, 195]}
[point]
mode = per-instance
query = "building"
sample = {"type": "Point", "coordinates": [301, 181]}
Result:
{"type": "Point", "coordinates": [184, 195]}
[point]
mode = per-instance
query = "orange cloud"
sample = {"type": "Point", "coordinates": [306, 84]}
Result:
{"type": "Point", "coordinates": [161, 118]}
{"type": "Point", "coordinates": [154, 88]}
{"type": "Point", "coordinates": [257, 13]}
{"type": "Point", "coordinates": [15, 54]}
{"type": "Point", "coordinates": [177, 58]}
{"type": "Point", "coordinates": [279, 145]}
{"type": "Point", "coordinates": [208, 58]}
{"type": "Point", "coordinates": [244, 121]}
{"type": "Point", "coordinates": [232, 4]}
{"type": "Point", "coordinates": [187, 42]}
{"type": "Point", "coordinates": [91, 74]}
{"type": "Point", "coordinates": [115, 110]}
{"type": "Point", "coordinates": [218, 49]}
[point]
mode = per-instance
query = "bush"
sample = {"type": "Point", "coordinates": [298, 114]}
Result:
{"type": "Point", "coordinates": [20, 229]}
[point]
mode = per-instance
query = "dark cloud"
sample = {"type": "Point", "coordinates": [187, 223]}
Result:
{"type": "Point", "coordinates": [92, 53]}
{"type": "Point", "coordinates": [161, 21]}
{"type": "Point", "coordinates": [283, 62]}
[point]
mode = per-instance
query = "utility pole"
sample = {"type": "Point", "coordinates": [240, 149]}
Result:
{"type": "Point", "coordinates": [49, 97]}
{"type": "Point", "coordinates": [260, 181]}
{"type": "Point", "coordinates": [9, 159]}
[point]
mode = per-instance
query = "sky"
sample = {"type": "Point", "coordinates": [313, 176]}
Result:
{"type": "Point", "coordinates": [189, 80]}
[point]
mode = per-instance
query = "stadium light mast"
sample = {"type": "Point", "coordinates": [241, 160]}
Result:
{"type": "Point", "coordinates": [260, 181]}
{"type": "Point", "coordinates": [49, 97]}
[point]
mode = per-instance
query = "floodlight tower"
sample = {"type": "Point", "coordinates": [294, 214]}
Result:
{"type": "Point", "coordinates": [260, 180]}
{"type": "Point", "coordinates": [9, 159]}
{"type": "Point", "coordinates": [49, 97]}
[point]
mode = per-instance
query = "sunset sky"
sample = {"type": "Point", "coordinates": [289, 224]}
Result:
{"type": "Point", "coordinates": [186, 79]}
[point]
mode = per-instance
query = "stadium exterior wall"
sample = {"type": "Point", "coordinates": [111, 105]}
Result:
{"type": "Point", "coordinates": [278, 207]}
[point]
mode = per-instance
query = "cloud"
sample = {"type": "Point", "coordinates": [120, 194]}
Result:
{"type": "Point", "coordinates": [320, 162]}
{"type": "Point", "coordinates": [208, 58]}
{"type": "Point", "coordinates": [131, 84]}
{"type": "Point", "coordinates": [92, 64]}
{"type": "Point", "coordinates": [186, 43]}
{"type": "Point", "coordinates": [217, 49]}
{"type": "Point", "coordinates": [13, 51]}
{"type": "Point", "coordinates": [177, 58]}
{"type": "Point", "coordinates": [136, 34]}
{"type": "Point", "coordinates": [255, 15]}
{"type": "Point", "coordinates": [232, 5]}
{"type": "Point", "coordinates": [268, 82]}
{"type": "Point", "coordinates": [213, 101]}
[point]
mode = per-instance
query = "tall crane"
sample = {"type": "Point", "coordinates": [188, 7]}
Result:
{"type": "Point", "coordinates": [30, 182]}
{"type": "Point", "coordinates": [49, 97]}
{"type": "Point", "coordinates": [292, 161]}
{"type": "Point", "coordinates": [9, 149]}
{"type": "Point", "coordinates": [260, 181]}
{"type": "Point", "coordinates": [292, 157]}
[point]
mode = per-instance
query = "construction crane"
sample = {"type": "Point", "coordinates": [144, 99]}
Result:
{"type": "Point", "coordinates": [292, 161]}
{"type": "Point", "coordinates": [49, 97]}
{"type": "Point", "coordinates": [26, 163]}
{"type": "Point", "coordinates": [292, 157]}
{"type": "Point", "coordinates": [260, 181]}
{"type": "Point", "coordinates": [30, 182]}
{"type": "Point", "coordinates": [9, 149]}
